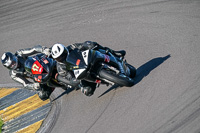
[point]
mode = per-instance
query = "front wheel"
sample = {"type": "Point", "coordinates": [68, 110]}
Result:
{"type": "Point", "coordinates": [120, 79]}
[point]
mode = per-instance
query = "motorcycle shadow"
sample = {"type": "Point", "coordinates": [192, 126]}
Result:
{"type": "Point", "coordinates": [64, 93]}
{"type": "Point", "coordinates": [143, 71]}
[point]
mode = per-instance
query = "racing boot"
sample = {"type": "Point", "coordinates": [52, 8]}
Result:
{"type": "Point", "coordinates": [88, 88]}
{"type": "Point", "coordinates": [44, 94]}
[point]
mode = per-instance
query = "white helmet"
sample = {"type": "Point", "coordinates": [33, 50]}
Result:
{"type": "Point", "coordinates": [59, 52]}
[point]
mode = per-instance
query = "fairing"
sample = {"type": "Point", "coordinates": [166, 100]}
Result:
{"type": "Point", "coordinates": [77, 63]}
{"type": "Point", "coordinates": [40, 66]}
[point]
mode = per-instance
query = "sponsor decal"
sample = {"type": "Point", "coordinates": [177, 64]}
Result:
{"type": "Point", "coordinates": [78, 72]}
{"type": "Point", "coordinates": [40, 77]}
{"type": "Point", "coordinates": [106, 58]}
{"type": "Point", "coordinates": [37, 68]}
{"type": "Point", "coordinates": [98, 81]}
{"type": "Point", "coordinates": [38, 80]}
{"type": "Point", "coordinates": [78, 62]}
{"type": "Point", "coordinates": [46, 61]}
{"type": "Point", "coordinates": [75, 67]}
{"type": "Point", "coordinates": [85, 56]}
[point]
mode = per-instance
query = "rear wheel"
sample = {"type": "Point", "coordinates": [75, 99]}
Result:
{"type": "Point", "coordinates": [120, 79]}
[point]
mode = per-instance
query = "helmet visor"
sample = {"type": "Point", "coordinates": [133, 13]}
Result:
{"type": "Point", "coordinates": [14, 63]}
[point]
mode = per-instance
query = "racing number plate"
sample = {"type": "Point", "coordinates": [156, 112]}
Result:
{"type": "Point", "coordinates": [37, 68]}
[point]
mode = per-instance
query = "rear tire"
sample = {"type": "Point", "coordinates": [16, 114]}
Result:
{"type": "Point", "coordinates": [118, 79]}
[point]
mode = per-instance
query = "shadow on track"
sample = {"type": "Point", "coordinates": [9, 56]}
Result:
{"type": "Point", "coordinates": [143, 71]}
{"type": "Point", "coordinates": [65, 92]}
{"type": "Point", "coordinates": [111, 88]}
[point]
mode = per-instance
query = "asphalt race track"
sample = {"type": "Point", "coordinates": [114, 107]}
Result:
{"type": "Point", "coordinates": [161, 38]}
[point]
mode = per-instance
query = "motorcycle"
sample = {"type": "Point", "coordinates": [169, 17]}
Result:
{"type": "Point", "coordinates": [89, 65]}
{"type": "Point", "coordinates": [100, 68]}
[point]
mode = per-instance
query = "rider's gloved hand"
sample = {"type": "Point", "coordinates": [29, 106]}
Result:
{"type": "Point", "coordinates": [46, 51]}
{"type": "Point", "coordinates": [32, 86]}
{"type": "Point", "coordinates": [19, 52]}
{"type": "Point", "coordinates": [36, 86]}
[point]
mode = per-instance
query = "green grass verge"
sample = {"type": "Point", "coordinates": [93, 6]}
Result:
{"type": "Point", "coordinates": [1, 124]}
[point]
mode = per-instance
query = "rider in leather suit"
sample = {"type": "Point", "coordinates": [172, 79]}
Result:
{"type": "Point", "coordinates": [59, 52]}
{"type": "Point", "coordinates": [17, 71]}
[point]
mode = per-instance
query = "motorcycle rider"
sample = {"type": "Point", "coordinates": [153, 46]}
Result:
{"type": "Point", "coordinates": [15, 63]}
{"type": "Point", "coordinates": [59, 52]}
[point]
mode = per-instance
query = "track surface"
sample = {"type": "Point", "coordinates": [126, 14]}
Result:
{"type": "Point", "coordinates": [161, 38]}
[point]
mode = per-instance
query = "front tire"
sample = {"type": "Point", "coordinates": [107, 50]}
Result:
{"type": "Point", "coordinates": [121, 80]}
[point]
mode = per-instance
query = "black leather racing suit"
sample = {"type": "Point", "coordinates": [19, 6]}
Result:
{"type": "Point", "coordinates": [66, 76]}
{"type": "Point", "coordinates": [21, 76]}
